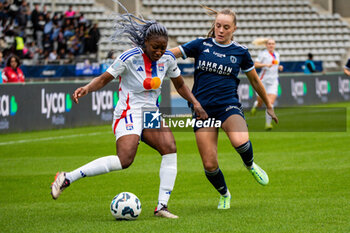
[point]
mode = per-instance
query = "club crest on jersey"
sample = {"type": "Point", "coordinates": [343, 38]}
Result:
{"type": "Point", "coordinates": [161, 66]}
{"type": "Point", "coordinates": [129, 126]}
{"type": "Point", "coordinates": [129, 122]}
{"type": "Point", "coordinates": [233, 59]}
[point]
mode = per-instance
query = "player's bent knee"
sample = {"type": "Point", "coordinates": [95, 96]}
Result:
{"type": "Point", "coordinates": [126, 161]}
{"type": "Point", "coordinates": [210, 166]}
{"type": "Point", "coordinates": [167, 148]}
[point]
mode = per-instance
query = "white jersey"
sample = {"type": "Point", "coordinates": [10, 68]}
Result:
{"type": "Point", "coordinates": [269, 75]}
{"type": "Point", "coordinates": [133, 67]}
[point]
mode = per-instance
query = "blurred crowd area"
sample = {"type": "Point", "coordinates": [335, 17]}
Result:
{"type": "Point", "coordinates": [41, 37]}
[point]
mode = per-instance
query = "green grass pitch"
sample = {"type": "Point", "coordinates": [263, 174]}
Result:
{"type": "Point", "coordinates": [309, 188]}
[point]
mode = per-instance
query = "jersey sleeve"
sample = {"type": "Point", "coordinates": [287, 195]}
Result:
{"type": "Point", "coordinates": [347, 65]}
{"type": "Point", "coordinates": [260, 57]}
{"type": "Point", "coordinates": [190, 49]}
{"type": "Point", "coordinates": [173, 70]}
{"type": "Point", "coordinates": [247, 62]}
{"type": "Point", "coordinates": [117, 68]}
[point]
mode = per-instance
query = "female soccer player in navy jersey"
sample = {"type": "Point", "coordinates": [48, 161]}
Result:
{"type": "Point", "coordinates": [141, 71]}
{"type": "Point", "coordinates": [347, 68]}
{"type": "Point", "coordinates": [218, 60]}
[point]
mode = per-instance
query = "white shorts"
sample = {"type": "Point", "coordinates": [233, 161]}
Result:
{"type": "Point", "coordinates": [130, 124]}
{"type": "Point", "coordinates": [271, 88]}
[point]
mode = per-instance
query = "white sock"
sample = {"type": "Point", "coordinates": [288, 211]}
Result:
{"type": "Point", "coordinates": [167, 175]}
{"type": "Point", "coordinates": [255, 104]}
{"type": "Point", "coordinates": [97, 167]}
{"type": "Point", "coordinates": [268, 117]}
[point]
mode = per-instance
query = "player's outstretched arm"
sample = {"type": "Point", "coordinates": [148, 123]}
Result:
{"type": "Point", "coordinates": [176, 51]}
{"type": "Point", "coordinates": [259, 88]}
{"type": "Point", "coordinates": [347, 72]}
{"type": "Point", "coordinates": [185, 92]}
{"type": "Point", "coordinates": [261, 65]}
{"type": "Point", "coordinates": [95, 84]}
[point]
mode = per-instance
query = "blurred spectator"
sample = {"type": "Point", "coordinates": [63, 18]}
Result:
{"type": "Point", "coordinates": [48, 28]}
{"type": "Point", "coordinates": [309, 65]}
{"type": "Point", "coordinates": [70, 32]}
{"type": "Point", "coordinates": [61, 54]}
{"type": "Point", "coordinates": [23, 14]}
{"type": "Point", "coordinates": [47, 44]}
{"type": "Point", "coordinates": [32, 50]}
{"type": "Point", "coordinates": [40, 31]}
{"type": "Point", "coordinates": [13, 9]}
{"type": "Point", "coordinates": [34, 17]}
{"type": "Point", "coordinates": [347, 68]}
{"type": "Point", "coordinates": [53, 56]}
{"type": "Point", "coordinates": [82, 20]}
{"type": "Point", "coordinates": [12, 73]}
{"type": "Point", "coordinates": [94, 37]}
{"type": "Point", "coordinates": [69, 13]}
{"type": "Point", "coordinates": [19, 45]}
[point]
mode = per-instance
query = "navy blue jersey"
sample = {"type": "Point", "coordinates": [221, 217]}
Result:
{"type": "Point", "coordinates": [347, 65]}
{"type": "Point", "coordinates": [216, 69]}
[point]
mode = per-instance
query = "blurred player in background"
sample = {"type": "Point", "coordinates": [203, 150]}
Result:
{"type": "Point", "coordinates": [347, 68]}
{"type": "Point", "coordinates": [12, 73]}
{"type": "Point", "coordinates": [218, 61]}
{"type": "Point", "coordinates": [309, 66]}
{"type": "Point", "coordinates": [141, 71]}
{"type": "Point", "coordinates": [269, 62]}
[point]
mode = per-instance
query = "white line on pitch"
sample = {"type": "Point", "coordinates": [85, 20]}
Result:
{"type": "Point", "coordinates": [49, 138]}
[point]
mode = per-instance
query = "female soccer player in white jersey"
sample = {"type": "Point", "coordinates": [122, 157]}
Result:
{"type": "Point", "coordinates": [269, 62]}
{"type": "Point", "coordinates": [218, 61]}
{"type": "Point", "coordinates": [141, 71]}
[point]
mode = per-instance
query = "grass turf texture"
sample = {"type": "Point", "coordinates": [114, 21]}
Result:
{"type": "Point", "coordinates": [308, 191]}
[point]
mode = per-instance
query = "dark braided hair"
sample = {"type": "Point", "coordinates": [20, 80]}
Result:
{"type": "Point", "coordinates": [138, 30]}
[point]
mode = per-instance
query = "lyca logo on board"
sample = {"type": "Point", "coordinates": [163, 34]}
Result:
{"type": "Point", "coordinates": [245, 92]}
{"type": "Point", "coordinates": [55, 102]}
{"type": "Point", "coordinates": [323, 87]}
{"type": "Point", "coordinates": [103, 100]}
{"type": "Point", "coordinates": [344, 87]}
{"type": "Point", "coordinates": [8, 105]}
{"type": "Point", "coordinates": [299, 88]}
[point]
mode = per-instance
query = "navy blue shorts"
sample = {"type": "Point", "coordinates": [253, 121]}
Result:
{"type": "Point", "coordinates": [220, 112]}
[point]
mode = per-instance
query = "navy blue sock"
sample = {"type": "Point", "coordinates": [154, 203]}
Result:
{"type": "Point", "coordinates": [246, 152]}
{"type": "Point", "coordinates": [217, 179]}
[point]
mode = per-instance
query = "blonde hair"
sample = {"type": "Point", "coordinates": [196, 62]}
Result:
{"type": "Point", "coordinates": [225, 11]}
{"type": "Point", "coordinates": [261, 41]}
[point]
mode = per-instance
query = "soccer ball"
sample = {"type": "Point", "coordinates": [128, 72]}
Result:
{"type": "Point", "coordinates": [125, 206]}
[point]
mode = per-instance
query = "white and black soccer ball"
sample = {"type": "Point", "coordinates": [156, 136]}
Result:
{"type": "Point", "coordinates": [126, 206]}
